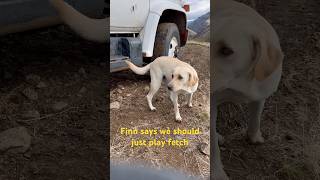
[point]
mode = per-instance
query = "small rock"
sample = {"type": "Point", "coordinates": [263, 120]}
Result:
{"type": "Point", "coordinates": [82, 71]}
{"type": "Point", "coordinates": [146, 88]}
{"type": "Point", "coordinates": [31, 114]}
{"type": "Point", "coordinates": [204, 148]}
{"type": "Point", "coordinates": [288, 137]}
{"type": "Point", "coordinates": [33, 79]}
{"type": "Point", "coordinates": [59, 106]}
{"type": "Point", "coordinates": [115, 105]}
{"type": "Point", "coordinates": [30, 93]}
{"type": "Point", "coordinates": [121, 87]}
{"type": "Point", "coordinates": [15, 139]}
{"type": "Point", "coordinates": [119, 91]}
{"type": "Point", "coordinates": [128, 95]}
{"type": "Point", "coordinates": [41, 84]}
{"type": "Point", "coordinates": [76, 76]}
{"type": "Point", "coordinates": [204, 116]}
{"type": "Point", "coordinates": [27, 155]}
{"type": "Point", "coordinates": [179, 137]}
{"type": "Point", "coordinates": [120, 98]}
{"type": "Point", "coordinates": [83, 90]}
{"type": "Point", "coordinates": [143, 150]}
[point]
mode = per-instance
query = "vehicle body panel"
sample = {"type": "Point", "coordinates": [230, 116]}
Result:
{"type": "Point", "coordinates": [21, 15]}
{"type": "Point", "coordinates": [128, 15]}
{"type": "Point", "coordinates": [148, 34]}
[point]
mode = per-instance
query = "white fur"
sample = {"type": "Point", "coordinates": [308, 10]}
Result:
{"type": "Point", "coordinates": [180, 76]}
{"type": "Point", "coordinates": [241, 75]}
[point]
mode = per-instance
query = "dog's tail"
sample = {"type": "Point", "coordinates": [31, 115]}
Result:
{"type": "Point", "coordinates": [138, 70]}
{"type": "Point", "coordinates": [88, 28]}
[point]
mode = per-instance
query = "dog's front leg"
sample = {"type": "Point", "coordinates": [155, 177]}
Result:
{"type": "Point", "coordinates": [255, 110]}
{"type": "Point", "coordinates": [171, 98]}
{"type": "Point", "coordinates": [218, 172]}
{"type": "Point", "coordinates": [176, 106]}
{"type": "Point", "coordinates": [190, 100]}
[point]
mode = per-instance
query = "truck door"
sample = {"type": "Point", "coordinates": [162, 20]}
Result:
{"type": "Point", "coordinates": [128, 16]}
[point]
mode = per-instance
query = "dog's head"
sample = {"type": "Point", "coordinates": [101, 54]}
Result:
{"type": "Point", "coordinates": [242, 49]}
{"type": "Point", "coordinates": [183, 78]}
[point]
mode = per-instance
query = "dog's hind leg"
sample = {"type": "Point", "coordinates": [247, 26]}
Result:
{"type": "Point", "coordinates": [154, 87]}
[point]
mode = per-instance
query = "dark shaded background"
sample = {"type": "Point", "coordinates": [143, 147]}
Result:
{"type": "Point", "coordinates": [69, 142]}
{"type": "Point", "coordinates": [290, 121]}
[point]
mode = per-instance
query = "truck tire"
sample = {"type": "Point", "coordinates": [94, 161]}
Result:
{"type": "Point", "coordinates": [167, 39]}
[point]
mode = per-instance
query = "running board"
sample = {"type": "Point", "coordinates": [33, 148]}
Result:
{"type": "Point", "coordinates": [124, 48]}
{"type": "Point", "coordinates": [117, 63]}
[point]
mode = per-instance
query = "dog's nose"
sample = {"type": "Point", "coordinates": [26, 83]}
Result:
{"type": "Point", "coordinates": [170, 88]}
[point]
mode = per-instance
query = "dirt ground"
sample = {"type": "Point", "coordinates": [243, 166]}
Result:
{"type": "Point", "coordinates": [290, 121]}
{"type": "Point", "coordinates": [130, 90]}
{"type": "Point", "coordinates": [68, 123]}
{"type": "Point", "coordinates": [69, 143]}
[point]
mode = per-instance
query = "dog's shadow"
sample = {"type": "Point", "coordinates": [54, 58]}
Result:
{"type": "Point", "coordinates": [125, 77]}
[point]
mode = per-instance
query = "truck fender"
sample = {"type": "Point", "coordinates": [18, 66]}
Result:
{"type": "Point", "coordinates": [148, 33]}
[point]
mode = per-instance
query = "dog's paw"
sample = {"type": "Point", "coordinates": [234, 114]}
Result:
{"type": "Point", "coordinates": [190, 105]}
{"type": "Point", "coordinates": [153, 108]}
{"type": "Point", "coordinates": [178, 119]}
{"type": "Point", "coordinates": [255, 138]}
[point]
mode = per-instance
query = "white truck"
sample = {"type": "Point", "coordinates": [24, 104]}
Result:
{"type": "Point", "coordinates": [142, 30]}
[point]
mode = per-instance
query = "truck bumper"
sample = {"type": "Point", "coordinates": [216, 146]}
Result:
{"type": "Point", "coordinates": [124, 48]}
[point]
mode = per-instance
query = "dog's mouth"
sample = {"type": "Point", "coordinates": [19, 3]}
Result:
{"type": "Point", "coordinates": [171, 88]}
{"type": "Point", "coordinates": [175, 90]}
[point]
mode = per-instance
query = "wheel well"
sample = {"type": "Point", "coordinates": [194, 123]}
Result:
{"type": "Point", "coordinates": [180, 20]}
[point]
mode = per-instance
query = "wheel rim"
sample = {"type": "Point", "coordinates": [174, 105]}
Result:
{"type": "Point", "coordinates": [172, 46]}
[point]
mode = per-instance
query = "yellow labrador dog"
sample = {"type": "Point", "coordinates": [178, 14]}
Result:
{"type": "Point", "coordinates": [180, 77]}
{"type": "Point", "coordinates": [90, 29]}
{"type": "Point", "coordinates": [247, 66]}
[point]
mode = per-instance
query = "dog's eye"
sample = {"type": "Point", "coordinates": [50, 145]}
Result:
{"type": "Point", "coordinates": [180, 77]}
{"type": "Point", "coordinates": [225, 51]}
{"type": "Point", "coordinates": [172, 76]}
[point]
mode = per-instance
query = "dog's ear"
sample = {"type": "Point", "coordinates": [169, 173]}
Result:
{"type": "Point", "coordinates": [266, 57]}
{"type": "Point", "coordinates": [193, 79]}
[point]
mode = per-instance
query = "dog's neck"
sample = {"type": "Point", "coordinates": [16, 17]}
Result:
{"type": "Point", "coordinates": [192, 89]}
